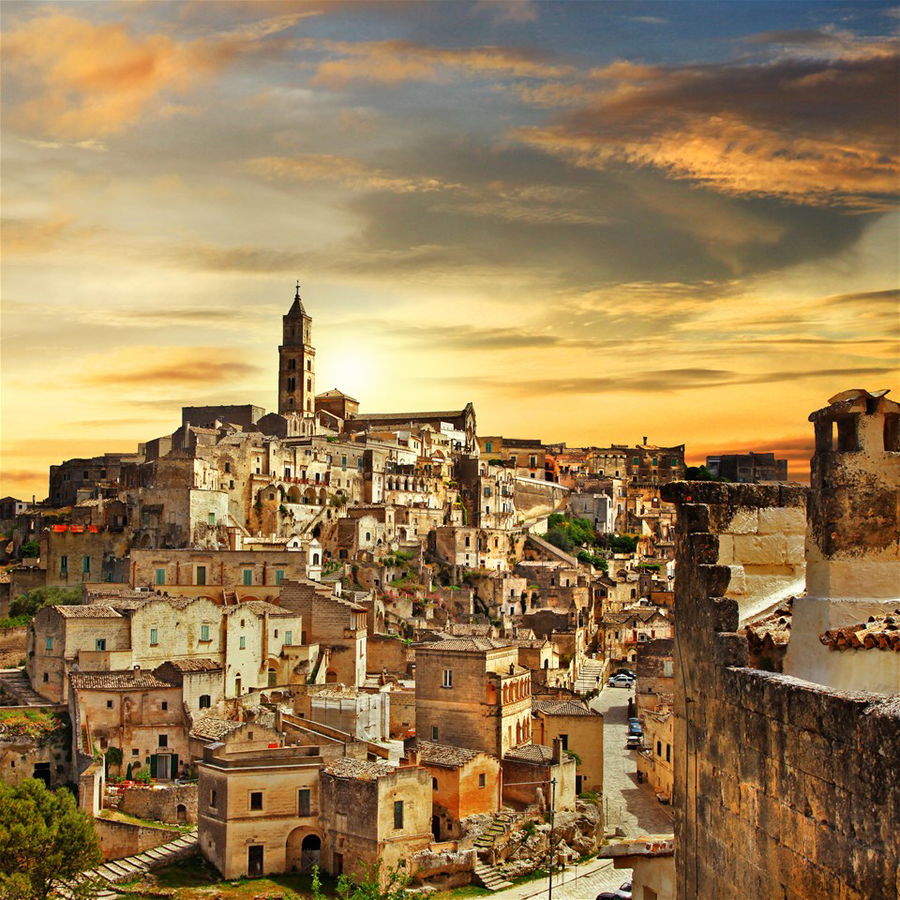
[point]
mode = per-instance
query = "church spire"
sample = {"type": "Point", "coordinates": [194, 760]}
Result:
{"type": "Point", "coordinates": [297, 306]}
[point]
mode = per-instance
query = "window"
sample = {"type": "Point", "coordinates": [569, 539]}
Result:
{"type": "Point", "coordinates": [154, 637]}
{"type": "Point", "coordinates": [204, 701]}
{"type": "Point", "coordinates": [213, 797]}
{"type": "Point", "coordinates": [135, 752]}
{"type": "Point", "coordinates": [85, 564]}
{"type": "Point", "coordinates": [64, 565]}
{"type": "Point", "coordinates": [46, 677]}
{"type": "Point", "coordinates": [289, 637]}
{"type": "Point", "coordinates": [256, 799]}
{"type": "Point", "coordinates": [532, 461]}
{"type": "Point", "coordinates": [398, 814]}
{"type": "Point", "coordinates": [201, 575]}
{"type": "Point", "coordinates": [163, 740]}
{"type": "Point", "coordinates": [279, 576]}
{"type": "Point", "coordinates": [100, 644]}
{"type": "Point", "coordinates": [434, 732]}
{"type": "Point", "coordinates": [659, 748]}
{"type": "Point", "coordinates": [227, 467]}
{"type": "Point", "coordinates": [48, 644]}
{"type": "Point", "coordinates": [242, 643]}
{"type": "Point", "coordinates": [303, 802]}
{"type": "Point", "coordinates": [248, 577]}
{"type": "Point", "coordinates": [482, 780]}
{"type": "Point", "coordinates": [565, 741]}
{"type": "Point", "coordinates": [487, 446]}
{"type": "Point", "coordinates": [164, 705]}
{"type": "Point", "coordinates": [636, 460]}
{"type": "Point", "coordinates": [204, 633]}
{"type": "Point", "coordinates": [448, 678]}
{"type": "Point", "coordinates": [668, 753]}
{"type": "Point", "coordinates": [343, 462]}
{"type": "Point", "coordinates": [109, 704]}
{"type": "Point", "coordinates": [212, 518]}
{"type": "Point", "coordinates": [160, 576]}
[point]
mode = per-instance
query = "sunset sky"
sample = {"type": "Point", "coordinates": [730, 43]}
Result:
{"type": "Point", "coordinates": [594, 220]}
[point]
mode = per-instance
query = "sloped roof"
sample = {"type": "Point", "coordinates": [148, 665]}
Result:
{"type": "Point", "coordinates": [359, 769]}
{"type": "Point", "coordinates": [202, 664]}
{"type": "Point", "coordinates": [115, 681]}
{"type": "Point", "coordinates": [477, 644]}
{"type": "Point", "coordinates": [89, 611]}
{"type": "Point", "coordinates": [444, 754]}
{"type": "Point", "coordinates": [561, 708]}
{"type": "Point", "coordinates": [878, 633]}
{"type": "Point", "coordinates": [533, 753]}
{"type": "Point", "coordinates": [213, 728]}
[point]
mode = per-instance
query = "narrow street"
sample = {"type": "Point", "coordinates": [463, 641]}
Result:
{"type": "Point", "coordinates": [626, 803]}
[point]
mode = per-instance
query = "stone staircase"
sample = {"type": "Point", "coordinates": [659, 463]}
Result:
{"type": "Point", "coordinates": [15, 682]}
{"type": "Point", "coordinates": [490, 877]}
{"type": "Point", "coordinates": [132, 867]}
{"type": "Point", "coordinates": [487, 874]}
{"type": "Point", "coordinates": [587, 676]}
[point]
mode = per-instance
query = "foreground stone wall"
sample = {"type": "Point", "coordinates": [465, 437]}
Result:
{"type": "Point", "coordinates": [121, 839]}
{"type": "Point", "coordinates": [173, 804]}
{"type": "Point", "coordinates": [783, 787]}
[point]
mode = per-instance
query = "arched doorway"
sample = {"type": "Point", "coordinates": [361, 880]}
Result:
{"type": "Point", "coordinates": [302, 850]}
{"type": "Point", "coordinates": [181, 814]}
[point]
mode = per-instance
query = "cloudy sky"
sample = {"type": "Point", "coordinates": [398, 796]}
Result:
{"type": "Point", "coordinates": [595, 220]}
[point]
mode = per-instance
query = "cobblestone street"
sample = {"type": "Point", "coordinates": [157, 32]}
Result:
{"type": "Point", "coordinates": [626, 803]}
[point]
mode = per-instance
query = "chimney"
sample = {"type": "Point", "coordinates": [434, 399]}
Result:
{"type": "Point", "coordinates": [512, 669]}
{"type": "Point", "coordinates": [557, 751]}
{"type": "Point", "coordinates": [645, 440]}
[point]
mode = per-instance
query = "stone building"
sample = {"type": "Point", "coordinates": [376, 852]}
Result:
{"type": "Point", "coordinates": [373, 813]}
{"type": "Point", "coordinates": [748, 467]}
{"type": "Point", "coordinates": [259, 808]}
{"type": "Point", "coordinates": [536, 775]}
{"type": "Point", "coordinates": [296, 362]}
{"type": "Point", "coordinates": [656, 762]}
{"type": "Point", "coordinates": [580, 731]}
{"type": "Point", "coordinates": [472, 692]}
{"type": "Point", "coordinates": [463, 783]}
{"type": "Point", "coordinates": [335, 624]}
{"type": "Point", "coordinates": [782, 782]}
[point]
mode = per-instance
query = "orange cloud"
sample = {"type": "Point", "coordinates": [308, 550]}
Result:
{"type": "Point", "coordinates": [85, 80]}
{"type": "Point", "coordinates": [808, 130]}
{"type": "Point", "coordinates": [344, 170]}
{"type": "Point", "coordinates": [150, 366]}
{"type": "Point", "coordinates": [391, 62]}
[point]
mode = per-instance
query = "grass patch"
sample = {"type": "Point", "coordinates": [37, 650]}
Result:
{"type": "Point", "coordinates": [195, 879]}
{"type": "Point", "coordinates": [116, 815]}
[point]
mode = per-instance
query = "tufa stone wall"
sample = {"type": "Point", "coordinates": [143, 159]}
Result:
{"type": "Point", "coordinates": [173, 804]}
{"type": "Point", "coordinates": [781, 786]}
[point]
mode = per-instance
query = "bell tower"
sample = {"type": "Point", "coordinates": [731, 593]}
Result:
{"type": "Point", "coordinates": [296, 362]}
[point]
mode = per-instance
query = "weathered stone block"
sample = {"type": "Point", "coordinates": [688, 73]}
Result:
{"type": "Point", "coordinates": [780, 520]}
{"type": "Point", "coordinates": [757, 549]}
{"type": "Point", "coordinates": [744, 521]}
{"type": "Point", "coordinates": [726, 550]}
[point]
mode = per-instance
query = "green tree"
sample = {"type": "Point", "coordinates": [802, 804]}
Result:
{"type": "Point", "coordinates": [45, 842]}
{"type": "Point", "coordinates": [560, 537]}
{"type": "Point", "coordinates": [369, 887]}
{"type": "Point", "coordinates": [700, 473]}
{"type": "Point", "coordinates": [30, 550]}
{"type": "Point", "coordinates": [29, 603]}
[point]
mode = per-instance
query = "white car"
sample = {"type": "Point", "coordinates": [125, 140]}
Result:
{"type": "Point", "coordinates": [620, 681]}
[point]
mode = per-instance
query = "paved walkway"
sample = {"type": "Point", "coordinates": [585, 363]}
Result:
{"type": "Point", "coordinates": [626, 803]}
{"type": "Point", "coordinates": [582, 882]}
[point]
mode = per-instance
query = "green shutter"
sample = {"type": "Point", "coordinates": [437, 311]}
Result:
{"type": "Point", "coordinates": [153, 765]}
{"type": "Point", "coordinates": [173, 770]}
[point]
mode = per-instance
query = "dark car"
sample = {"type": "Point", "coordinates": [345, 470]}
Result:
{"type": "Point", "coordinates": [635, 727]}
{"type": "Point", "coordinates": [623, 893]}
{"type": "Point", "coordinates": [627, 672]}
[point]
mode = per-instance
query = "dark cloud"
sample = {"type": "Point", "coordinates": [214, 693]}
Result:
{"type": "Point", "coordinates": [805, 130]}
{"type": "Point", "coordinates": [667, 380]}
{"type": "Point", "coordinates": [889, 298]}
{"type": "Point", "coordinates": [470, 337]}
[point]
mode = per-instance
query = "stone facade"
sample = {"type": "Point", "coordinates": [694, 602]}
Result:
{"type": "Point", "coordinates": [781, 785]}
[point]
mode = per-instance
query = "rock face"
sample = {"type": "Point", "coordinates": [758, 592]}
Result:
{"type": "Point", "coordinates": [575, 834]}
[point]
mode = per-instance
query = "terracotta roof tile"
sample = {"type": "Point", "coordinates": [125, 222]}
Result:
{"type": "Point", "coordinates": [878, 633]}
{"type": "Point", "coordinates": [444, 754]}
{"type": "Point", "coordinates": [466, 643]}
{"type": "Point", "coordinates": [561, 708]}
{"type": "Point", "coordinates": [115, 681]}
{"type": "Point", "coordinates": [533, 753]}
{"type": "Point", "coordinates": [90, 611]}
{"type": "Point", "coordinates": [360, 769]}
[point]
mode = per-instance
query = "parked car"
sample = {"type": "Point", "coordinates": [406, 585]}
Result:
{"type": "Point", "coordinates": [621, 681]}
{"type": "Point", "coordinates": [634, 742]}
{"type": "Point", "coordinates": [635, 727]}
{"type": "Point", "coordinates": [627, 672]}
{"type": "Point", "coordinates": [623, 893]}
